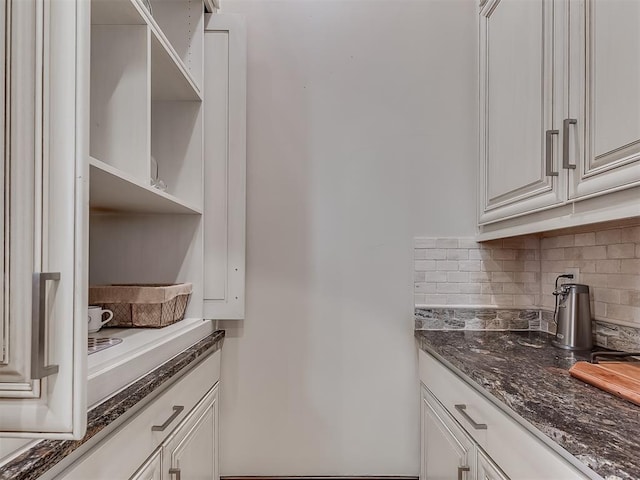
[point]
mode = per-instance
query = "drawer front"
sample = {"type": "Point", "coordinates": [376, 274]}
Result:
{"type": "Point", "coordinates": [515, 449]}
{"type": "Point", "coordinates": [133, 442]}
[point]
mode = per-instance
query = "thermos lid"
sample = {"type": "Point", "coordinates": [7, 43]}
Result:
{"type": "Point", "coordinates": [577, 287]}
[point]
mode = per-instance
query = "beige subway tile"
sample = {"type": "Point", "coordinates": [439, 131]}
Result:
{"type": "Point", "coordinates": [425, 265]}
{"type": "Point", "coordinates": [638, 250]}
{"type": "Point", "coordinates": [448, 288]}
{"type": "Point", "coordinates": [596, 279]}
{"type": "Point", "coordinates": [419, 254]}
{"type": "Point", "coordinates": [600, 309]}
{"type": "Point", "coordinates": [446, 265]}
{"type": "Point", "coordinates": [549, 267]}
{"type": "Point", "coordinates": [585, 239]}
{"type": "Point", "coordinates": [532, 266]}
{"type": "Point", "coordinates": [504, 254]}
{"type": "Point", "coordinates": [526, 277]}
{"type": "Point", "coordinates": [574, 253]}
{"type": "Point", "coordinates": [524, 300]}
{"type": "Point", "coordinates": [435, 254]}
{"type": "Point", "coordinates": [436, 277]}
{"type": "Point", "coordinates": [532, 288]}
{"type": "Point", "coordinates": [527, 255]}
{"type": "Point", "coordinates": [480, 299]}
{"type": "Point", "coordinates": [491, 265]}
{"type": "Point", "coordinates": [516, 242]}
{"type": "Point", "coordinates": [606, 295]}
{"type": "Point", "coordinates": [631, 266]}
{"type": "Point", "coordinates": [425, 287]}
{"type": "Point", "coordinates": [621, 250]}
{"type": "Point", "coordinates": [513, 288]}
{"type": "Point", "coordinates": [630, 297]}
{"type": "Point", "coordinates": [479, 277]}
{"type": "Point", "coordinates": [513, 266]}
{"type": "Point", "coordinates": [457, 254]}
{"type": "Point", "coordinates": [502, 300]}
{"type": "Point", "coordinates": [458, 299]}
{"type": "Point", "coordinates": [598, 252]}
{"type": "Point", "coordinates": [630, 235]}
{"type": "Point", "coordinates": [607, 237]}
{"type": "Point", "coordinates": [585, 266]}
{"type": "Point", "coordinates": [471, 288]}
{"type": "Point", "coordinates": [492, 244]}
{"type": "Point", "coordinates": [482, 254]}
{"type": "Point", "coordinates": [435, 299]}
{"type": "Point", "coordinates": [608, 266]}
{"type": "Point", "coordinates": [623, 281]}
{"type": "Point", "coordinates": [468, 242]}
{"type": "Point", "coordinates": [447, 243]}
{"type": "Point", "coordinates": [553, 254]}
{"type": "Point", "coordinates": [560, 241]}
{"type": "Point", "coordinates": [623, 312]}
{"type": "Point", "coordinates": [501, 277]}
{"type": "Point", "coordinates": [469, 265]}
{"type": "Point", "coordinates": [457, 277]}
{"type": "Point", "coordinates": [419, 277]}
{"type": "Point", "coordinates": [532, 243]}
{"type": "Point", "coordinates": [419, 300]}
{"type": "Point", "coordinates": [424, 242]}
{"type": "Point", "coordinates": [492, 288]}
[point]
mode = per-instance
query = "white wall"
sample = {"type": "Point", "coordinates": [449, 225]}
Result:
{"type": "Point", "coordinates": [361, 134]}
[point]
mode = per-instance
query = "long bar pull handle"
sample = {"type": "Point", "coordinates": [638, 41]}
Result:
{"type": "Point", "coordinates": [461, 471]}
{"type": "Point", "coordinates": [565, 142]}
{"type": "Point", "coordinates": [177, 410]}
{"type": "Point", "coordinates": [38, 325]}
{"type": "Point", "coordinates": [549, 152]}
{"type": "Point", "coordinates": [463, 411]}
{"type": "Point", "coordinates": [176, 472]}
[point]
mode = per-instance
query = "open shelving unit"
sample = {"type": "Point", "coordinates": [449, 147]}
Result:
{"type": "Point", "coordinates": [147, 125]}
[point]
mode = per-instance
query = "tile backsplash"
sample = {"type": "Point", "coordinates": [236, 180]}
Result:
{"type": "Point", "coordinates": [520, 272]}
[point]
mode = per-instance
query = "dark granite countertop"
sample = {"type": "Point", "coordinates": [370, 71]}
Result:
{"type": "Point", "coordinates": [524, 372]}
{"type": "Point", "coordinates": [47, 453]}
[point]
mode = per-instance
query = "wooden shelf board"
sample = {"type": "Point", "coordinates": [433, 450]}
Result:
{"type": "Point", "coordinates": [112, 190]}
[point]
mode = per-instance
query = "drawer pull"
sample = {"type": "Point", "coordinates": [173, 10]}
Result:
{"type": "Point", "coordinates": [565, 142]}
{"type": "Point", "coordinates": [549, 153]}
{"type": "Point", "coordinates": [461, 471]}
{"type": "Point", "coordinates": [177, 410]}
{"type": "Point", "coordinates": [463, 411]}
{"type": "Point", "coordinates": [176, 472]}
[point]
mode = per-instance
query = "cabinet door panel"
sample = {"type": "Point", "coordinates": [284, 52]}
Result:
{"type": "Point", "coordinates": [488, 470]}
{"type": "Point", "coordinates": [45, 219]}
{"type": "Point", "coordinates": [517, 99]}
{"type": "Point", "coordinates": [151, 469]}
{"type": "Point", "coordinates": [447, 452]}
{"type": "Point", "coordinates": [224, 167]}
{"type": "Point", "coordinates": [606, 101]}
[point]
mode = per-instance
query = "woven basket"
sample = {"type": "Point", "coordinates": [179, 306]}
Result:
{"type": "Point", "coordinates": [153, 306]}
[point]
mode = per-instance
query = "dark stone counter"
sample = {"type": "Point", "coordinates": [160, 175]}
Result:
{"type": "Point", "coordinates": [46, 454]}
{"type": "Point", "coordinates": [524, 372]}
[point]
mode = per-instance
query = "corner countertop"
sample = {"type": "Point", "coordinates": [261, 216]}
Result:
{"type": "Point", "coordinates": [525, 373]}
{"type": "Point", "coordinates": [46, 454]}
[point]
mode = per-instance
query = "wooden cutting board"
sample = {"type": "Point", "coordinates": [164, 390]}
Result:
{"type": "Point", "coordinates": [619, 378]}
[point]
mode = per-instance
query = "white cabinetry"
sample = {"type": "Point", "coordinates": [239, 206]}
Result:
{"type": "Point", "coordinates": [463, 429]}
{"type": "Point", "coordinates": [43, 144]}
{"type": "Point", "coordinates": [559, 124]}
{"type": "Point", "coordinates": [173, 437]}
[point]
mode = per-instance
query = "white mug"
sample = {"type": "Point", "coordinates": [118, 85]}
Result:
{"type": "Point", "coordinates": [95, 318]}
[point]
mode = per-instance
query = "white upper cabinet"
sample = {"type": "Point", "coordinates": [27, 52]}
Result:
{"type": "Point", "coordinates": [44, 143]}
{"type": "Point", "coordinates": [225, 68]}
{"type": "Point", "coordinates": [520, 98]}
{"type": "Point", "coordinates": [559, 114]}
{"type": "Point", "coordinates": [605, 103]}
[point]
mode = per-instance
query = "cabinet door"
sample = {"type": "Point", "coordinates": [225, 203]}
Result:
{"type": "Point", "coordinates": [225, 73]}
{"type": "Point", "coordinates": [520, 108]}
{"type": "Point", "coordinates": [151, 469]}
{"type": "Point", "coordinates": [446, 450]}
{"type": "Point", "coordinates": [604, 96]}
{"type": "Point", "coordinates": [487, 469]}
{"type": "Point", "coordinates": [43, 314]}
{"type": "Point", "coordinates": [191, 452]}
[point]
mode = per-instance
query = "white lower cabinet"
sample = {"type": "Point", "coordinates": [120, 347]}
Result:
{"type": "Point", "coordinates": [174, 437]}
{"type": "Point", "coordinates": [466, 436]}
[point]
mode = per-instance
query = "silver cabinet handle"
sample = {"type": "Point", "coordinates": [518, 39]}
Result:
{"type": "Point", "coordinates": [461, 471]}
{"type": "Point", "coordinates": [39, 325]}
{"type": "Point", "coordinates": [177, 410]}
{"type": "Point", "coordinates": [565, 142]}
{"type": "Point", "coordinates": [176, 472]}
{"type": "Point", "coordinates": [549, 152]}
{"type": "Point", "coordinates": [463, 411]}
